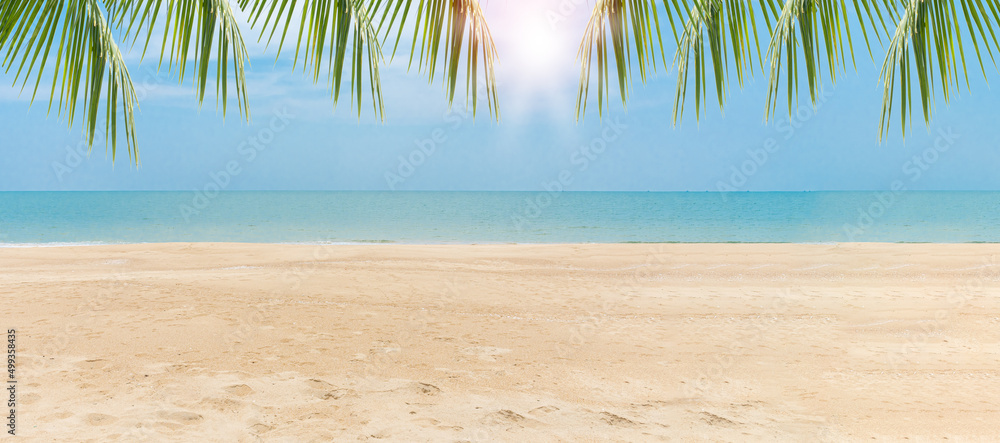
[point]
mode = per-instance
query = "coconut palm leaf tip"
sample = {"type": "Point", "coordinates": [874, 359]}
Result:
{"type": "Point", "coordinates": [350, 28]}
{"type": "Point", "coordinates": [85, 31]}
{"type": "Point", "coordinates": [336, 35]}
{"type": "Point", "coordinates": [927, 42]}
{"type": "Point", "coordinates": [87, 65]}
{"type": "Point", "coordinates": [74, 36]}
{"type": "Point", "coordinates": [208, 28]}
{"type": "Point", "coordinates": [443, 24]}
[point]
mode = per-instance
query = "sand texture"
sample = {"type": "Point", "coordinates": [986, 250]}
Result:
{"type": "Point", "coordinates": [547, 343]}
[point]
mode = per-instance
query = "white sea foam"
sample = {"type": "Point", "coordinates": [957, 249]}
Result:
{"type": "Point", "coordinates": [50, 245]}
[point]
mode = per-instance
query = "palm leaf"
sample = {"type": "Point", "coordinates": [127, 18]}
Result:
{"type": "Point", "coordinates": [928, 42]}
{"type": "Point", "coordinates": [814, 36]}
{"type": "Point", "coordinates": [821, 28]}
{"type": "Point", "coordinates": [206, 27]}
{"type": "Point", "coordinates": [444, 24]}
{"type": "Point", "coordinates": [711, 31]}
{"type": "Point", "coordinates": [86, 59]}
{"type": "Point", "coordinates": [330, 30]}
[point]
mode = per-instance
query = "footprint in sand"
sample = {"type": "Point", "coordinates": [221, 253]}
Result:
{"type": "Point", "coordinates": [99, 419]}
{"type": "Point", "coordinates": [221, 404]}
{"type": "Point", "coordinates": [56, 416]}
{"type": "Point", "coordinates": [326, 391]}
{"type": "Point", "coordinates": [431, 423]}
{"type": "Point", "coordinates": [716, 420]}
{"type": "Point", "coordinates": [239, 390]}
{"type": "Point", "coordinates": [96, 364]}
{"type": "Point", "coordinates": [260, 428]}
{"type": "Point", "coordinates": [542, 410]}
{"type": "Point", "coordinates": [420, 389]}
{"type": "Point", "coordinates": [616, 420]}
{"type": "Point", "coordinates": [316, 383]}
{"type": "Point", "coordinates": [336, 394]}
{"type": "Point", "coordinates": [181, 417]}
{"type": "Point", "coordinates": [504, 417]}
{"type": "Point", "coordinates": [485, 353]}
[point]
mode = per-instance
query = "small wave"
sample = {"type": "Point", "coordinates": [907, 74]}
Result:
{"type": "Point", "coordinates": [340, 243]}
{"type": "Point", "coordinates": [51, 244]}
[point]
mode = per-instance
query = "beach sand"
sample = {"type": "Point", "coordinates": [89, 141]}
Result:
{"type": "Point", "coordinates": [640, 342]}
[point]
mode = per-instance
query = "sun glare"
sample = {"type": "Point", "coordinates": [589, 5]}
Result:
{"type": "Point", "coordinates": [534, 51]}
{"type": "Point", "coordinates": [538, 69]}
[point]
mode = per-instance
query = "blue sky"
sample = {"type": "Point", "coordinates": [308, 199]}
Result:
{"type": "Point", "coordinates": [538, 141]}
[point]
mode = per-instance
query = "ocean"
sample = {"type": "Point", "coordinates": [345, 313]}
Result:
{"type": "Point", "coordinates": [59, 218]}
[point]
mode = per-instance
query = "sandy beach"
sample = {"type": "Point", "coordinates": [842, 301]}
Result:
{"type": "Point", "coordinates": [638, 342]}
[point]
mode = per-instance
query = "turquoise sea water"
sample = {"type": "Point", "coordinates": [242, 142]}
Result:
{"type": "Point", "coordinates": [39, 218]}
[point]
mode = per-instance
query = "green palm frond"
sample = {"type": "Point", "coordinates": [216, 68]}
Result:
{"type": "Point", "coordinates": [190, 25]}
{"type": "Point", "coordinates": [823, 27]}
{"type": "Point", "coordinates": [607, 30]}
{"type": "Point", "coordinates": [724, 25]}
{"type": "Point", "coordinates": [336, 35]}
{"type": "Point", "coordinates": [710, 30]}
{"type": "Point", "coordinates": [330, 30]}
{"type": "Point", "coordinates": [443, 24]}
{"type": "Point", "coordinates": [805, 34]}
{"type": "Point", "coordinates": [338, 29]}
{"type": "Point", "coordinates": [931, 28]}
{"type": "Point", "coordinates": [86, 59]}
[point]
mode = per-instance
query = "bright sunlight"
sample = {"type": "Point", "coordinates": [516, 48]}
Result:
{"type": "Point", "coordinates": [536, 41]}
